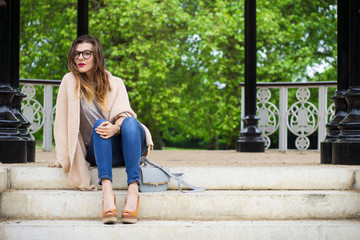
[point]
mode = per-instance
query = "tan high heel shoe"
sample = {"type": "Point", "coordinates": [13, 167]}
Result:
{"type": "Point", "coordinates": [109, 216]}
{"type": "Point", "coordinates": [130, 216]}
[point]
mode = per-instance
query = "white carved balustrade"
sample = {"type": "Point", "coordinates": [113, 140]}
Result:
{"type": "Point", "coordinates": [39, 114]}
{"type": "Point", "coordinates": [32, 109]}
{"type": "Point", "coordinates": [303, 118]}
{"type": "Point", "coordinates": [268, 113]}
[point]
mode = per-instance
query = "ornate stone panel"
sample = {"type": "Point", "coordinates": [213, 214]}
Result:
{"type": "Point", "coordinates": [268, 114]}
{"type": "Point", "coordinates": [32, 109]}
{"type": "Point", "coordinates": [302, 118]}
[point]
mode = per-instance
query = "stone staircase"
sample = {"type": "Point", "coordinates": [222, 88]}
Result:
{"type": "Point", "coordinates": [247, 202]}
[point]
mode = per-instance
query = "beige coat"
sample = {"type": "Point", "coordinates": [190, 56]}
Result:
{"type": "Point", "coordinates": [70, 148]}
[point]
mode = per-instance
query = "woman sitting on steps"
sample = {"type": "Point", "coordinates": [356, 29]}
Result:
{"type": "Point", "coordinates": [95, 126]}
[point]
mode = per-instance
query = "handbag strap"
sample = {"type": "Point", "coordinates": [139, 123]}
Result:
{"type": "Point", "coordinates": [177, 176]}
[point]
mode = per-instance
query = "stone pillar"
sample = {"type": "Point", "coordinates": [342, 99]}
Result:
{"type": "Point", "coordinates": [13, 148]}
{"type": "Point", "coordinates": [83, 17]}
{"type": "Point", "coordinates": [346, 150]}
{"type": "Point", "coordinates": [250, 140]}
{"type": "Point", "coordinates": [342, 84]}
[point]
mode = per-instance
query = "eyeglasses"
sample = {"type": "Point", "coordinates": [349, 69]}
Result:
{"type": "Point", "coordinates": [86, 54]}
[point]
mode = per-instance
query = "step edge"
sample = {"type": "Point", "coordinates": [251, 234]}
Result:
{"type": "Point", "coordinates": [344, 180]}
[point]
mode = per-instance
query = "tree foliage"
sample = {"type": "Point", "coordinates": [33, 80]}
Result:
{"type": "Point", "coordinates": [183, 60]}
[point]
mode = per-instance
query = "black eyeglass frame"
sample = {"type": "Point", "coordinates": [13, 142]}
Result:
{"type": "Point", "coordinates": [82, 53]}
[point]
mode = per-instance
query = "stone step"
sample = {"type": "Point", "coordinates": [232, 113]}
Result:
{"type": "Point", "coordinates": [3, 179]}
{"type": "Point", "coordinates": [321, 177]}
{"type": "Point", "coordinates": [207, 230]}
{"type": "Point", "coordinates": [174, 205]}
{"type": "Point", "coordinates": [357, 179]}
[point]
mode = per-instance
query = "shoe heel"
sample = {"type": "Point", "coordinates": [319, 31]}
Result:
{"type": "Point", "coordinates": [109, 216]}
{"type": "Point", "coordinates": [130, 216]}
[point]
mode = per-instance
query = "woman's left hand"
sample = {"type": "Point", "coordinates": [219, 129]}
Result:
{"type": "Point", "coordinates": [107, 130]}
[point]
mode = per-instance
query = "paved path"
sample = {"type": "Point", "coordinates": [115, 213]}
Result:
{"type": "Point", "coordinates": [217, 158]}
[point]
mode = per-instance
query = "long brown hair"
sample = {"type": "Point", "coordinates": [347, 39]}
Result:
{"type": "Point", "coordinates": [98, 89]}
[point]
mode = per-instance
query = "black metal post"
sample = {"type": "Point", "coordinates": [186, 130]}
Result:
{"type": "Point", "coordinates": [342, 84]}
{"type": "Point", "coordinates": [346, 150]}
{"type": "Point", "coordinates": [4, 43]}
{"type": "Point", "coordinates": [14, 43]}
{"type": "Point", "coordinates": [14, 78]}
{"type": "Point", "coordinates": [13, 148]}
{"type": "Point", "coordinates": [250, 140]}
{"type": "Point", "coordinates": [83, 17]}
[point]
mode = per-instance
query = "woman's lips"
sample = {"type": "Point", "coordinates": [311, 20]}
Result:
{"type": "Point", "coordinates": [81, 64]}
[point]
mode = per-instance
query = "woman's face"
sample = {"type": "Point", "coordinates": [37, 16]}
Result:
{"type": "Point", "coordinates": [84, 57]}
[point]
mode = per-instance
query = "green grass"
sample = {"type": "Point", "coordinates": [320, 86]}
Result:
{"type": "Point", "coordinates": [185, 149]}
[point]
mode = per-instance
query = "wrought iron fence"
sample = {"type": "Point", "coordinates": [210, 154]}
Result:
{"type": "Point", "coordinates": [284, 109]}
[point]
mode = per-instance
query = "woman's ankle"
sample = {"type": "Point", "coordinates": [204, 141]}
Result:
{"type": "Point", "coordinates": [107, 187]}
{"type": "Point", "coordinates": [133, 188]}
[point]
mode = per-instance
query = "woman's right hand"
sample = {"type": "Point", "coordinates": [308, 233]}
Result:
{"type": "Point", "coordinates": [107, 130]}
{"type": "Point", "coordinates": [53, 165]}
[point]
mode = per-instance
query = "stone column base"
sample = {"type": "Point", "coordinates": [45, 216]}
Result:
{"type": "Point", "coordinates": [31, 150]}
{"type": "Point", "coordinates": [346, 153]}
{"type": "Point", "coordinates": [13, 151]}
{"type": "Point", "coordinates": [326, 152]}
{"type": "Point", "coordinates": [250, 146]}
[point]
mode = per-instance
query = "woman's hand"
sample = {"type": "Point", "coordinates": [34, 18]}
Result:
{"type": "Point", "coordinates": [107, 130]}
{"type": "Point", "coordinates": [53, 165]}
{"type": "Point", "coordinates": [56, 164]}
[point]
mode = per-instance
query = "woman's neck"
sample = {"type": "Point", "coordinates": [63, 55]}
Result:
{"type": "Point", "coordinates": [90, 76]}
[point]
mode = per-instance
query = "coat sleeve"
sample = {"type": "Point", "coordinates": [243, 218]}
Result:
{"type": "Point", "coordinates": [60, 127]}
{"type": "Point", "coordinates": [121, 108]}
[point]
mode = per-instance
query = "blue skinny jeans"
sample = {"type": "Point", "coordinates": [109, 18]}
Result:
{"type": "Point", "coordinates": [124, 149]}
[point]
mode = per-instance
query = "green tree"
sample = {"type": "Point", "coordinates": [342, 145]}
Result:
{"type": "Point", "coordinates": [183, 60]}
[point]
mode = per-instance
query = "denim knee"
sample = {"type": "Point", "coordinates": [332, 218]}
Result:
{"type": "Point", "coordinates": [129, 125]}
{"type": "Point", "coordinates": [98, 122]}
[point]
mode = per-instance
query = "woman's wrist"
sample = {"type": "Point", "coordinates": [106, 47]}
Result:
{"type": "Point", "coordinates": [118, 131]}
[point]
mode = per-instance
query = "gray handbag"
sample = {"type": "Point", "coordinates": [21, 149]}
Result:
{"type": "Point", "coordinates": [155, 178]}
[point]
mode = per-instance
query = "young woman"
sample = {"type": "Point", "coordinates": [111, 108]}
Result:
{"type": "Point", "coordinates": [95, 126]}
